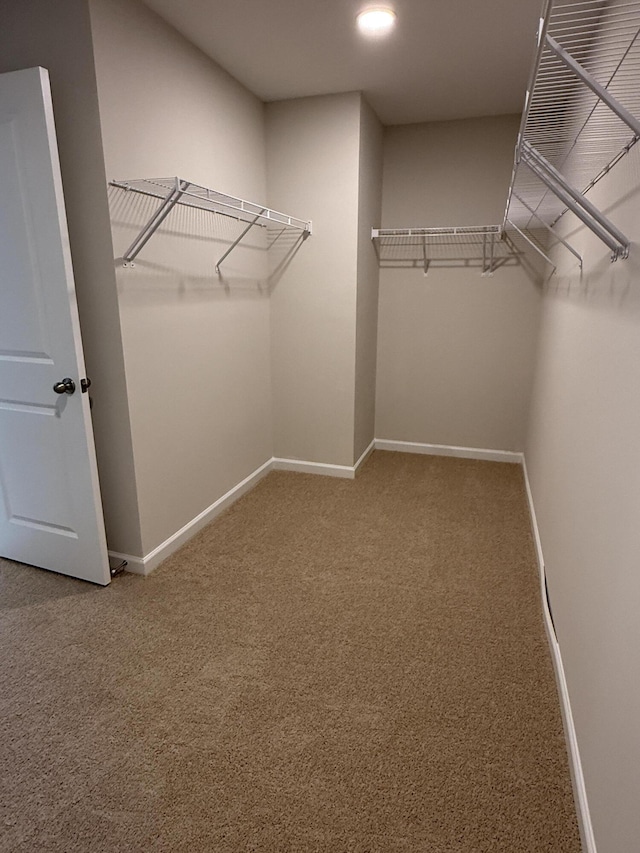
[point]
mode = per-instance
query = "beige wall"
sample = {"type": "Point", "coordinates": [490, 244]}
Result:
{"type": "Point", "coordinates": [196, 346]}
{"type": "Point", "coordinates": [369, 216]}
{"type": "Point", "coordinates": [455, 349]}
{"type": "Point", "coordinates": [57, 36]}
{"type": "Point", "coordinates": [313, 149]}
{"type": "Point", "coordinates": [583, 457]}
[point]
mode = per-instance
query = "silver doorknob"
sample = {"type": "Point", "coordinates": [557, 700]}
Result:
{"type": "Point", "coordinates": [66, 386]}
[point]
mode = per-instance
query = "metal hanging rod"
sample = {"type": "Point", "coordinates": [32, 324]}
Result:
{"type": "Point", "coordinates": [580, 117]}
{"type": "Point", "coordinates": [576, 202]}
{"type": "Point", "coordinates": [178, 191]}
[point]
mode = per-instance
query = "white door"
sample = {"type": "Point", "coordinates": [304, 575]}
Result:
{"type": "Point", "coordinates": [50, 510]}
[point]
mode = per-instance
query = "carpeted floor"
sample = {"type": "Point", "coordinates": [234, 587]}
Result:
{"type": "Point", "coordinates": [330, 666]}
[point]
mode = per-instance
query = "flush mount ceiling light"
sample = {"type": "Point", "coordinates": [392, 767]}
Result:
{"type": "Point", "coordinates": [375, 22]}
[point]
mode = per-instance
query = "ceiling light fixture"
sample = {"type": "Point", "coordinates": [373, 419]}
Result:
{"type": "Point", "coordinates": [377, 21]}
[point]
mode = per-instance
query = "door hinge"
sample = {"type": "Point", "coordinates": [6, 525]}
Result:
{"type": "Point", "coordinates": [85, 384]}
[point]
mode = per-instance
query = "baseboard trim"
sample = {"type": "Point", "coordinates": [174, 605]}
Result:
{"type": "Point", "coordinates": [449, 450]}
{"type": "Point", "coordinates": [367, 453]}
{"type": "Point", "coordinates": [144, 565]}
{"type": "Point", "coordinates": [346, 471]}
{"type": "Point", "coordinates": [575, 764]}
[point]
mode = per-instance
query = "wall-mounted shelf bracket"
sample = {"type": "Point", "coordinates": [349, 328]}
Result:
{"type": "Point", "coordinates": [239, 239]}
{"type": "Point", "coordinates": [531, 243]}
{"type": "Point", "coordinates": [488, 250]}
{"type": "Point", "coordinates": [177, 191]}
{"type": "Point", "coordinates": [547, 227]}
{"type": "Point", "coordinates": [168, 203]}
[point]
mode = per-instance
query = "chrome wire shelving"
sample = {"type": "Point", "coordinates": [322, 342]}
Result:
{"type": "Point", "coordinates": [579, 118]}
{"type": "Point", "coordinates": [483, 247]}
{"type": "Point", "coordinates": [178, 191]}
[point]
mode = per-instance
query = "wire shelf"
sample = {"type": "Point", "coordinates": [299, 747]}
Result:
{"type": "Point", "coordinates": [203, 198]}
{"type": "Point", "coordinates": [178, 191]}
{"type": "Point", "coordinates": [472, 246]}
{"type": "Point", "coordinates": [573, 127]}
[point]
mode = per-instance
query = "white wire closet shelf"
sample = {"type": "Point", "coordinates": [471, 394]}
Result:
{"type": "Point", "coordinates": [579, 120]}
{"type": "Point", "coordinates": [178, 191]}
{"type": "Point", "coordinates": [580, 117]}
{"type": "Point", "coordinates": [482, 246]}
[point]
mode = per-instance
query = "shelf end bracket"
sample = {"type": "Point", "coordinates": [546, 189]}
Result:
{"type": "Point", "coordinates": [238, 239]}
{"type": "Point", "coordinates": [167, 205]}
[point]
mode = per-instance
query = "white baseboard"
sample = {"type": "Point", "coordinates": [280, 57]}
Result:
{"type": "Point", "coordinates": [575, 764]}
{"type": "Point", "coordinates": [449, 450]}
{"type": "Point", "coordinates": [144, 565]}
{"type": "Point", "coordinates": [346, 471]}
{"type": "Point", "coordinates": [135, 565]}
{"type": "Point", "coordinates": [367, 453]}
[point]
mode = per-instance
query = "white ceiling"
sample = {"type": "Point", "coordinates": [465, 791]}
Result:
{"type": "Point", "coordinates": [446, 59]}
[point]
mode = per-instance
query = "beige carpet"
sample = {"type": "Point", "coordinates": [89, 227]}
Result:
{"type": "Point", "coordinates": [330, 666]}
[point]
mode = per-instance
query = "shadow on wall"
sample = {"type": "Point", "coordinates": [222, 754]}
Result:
{"type": "Point", "coordinates": [478, 250]}
{"type": "Point", "coordinates": [182, 255]}
{"type": "Point", "coordinates": [608, 286]}
{"type": "Point", "coordinates": [283, 247]}
{"type": "Point", "coordinates": [604, 285]}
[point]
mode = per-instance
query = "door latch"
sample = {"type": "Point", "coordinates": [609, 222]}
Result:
{"type": "Point", "coordinates": [85, 384]}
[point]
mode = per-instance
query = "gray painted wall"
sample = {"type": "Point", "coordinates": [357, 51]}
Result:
{"type": "Point", "coordinates": [196, 345]}
{"type": "Point", "coordinates": [57, 36]}
{"type": "Point", "coordinates": [369, 216]}
{"type": "Point", "coordinates": [583, 458]}
{"type": "Point", "coordinates": [313, 147]}
{"type": "Point", "coordinates": [455, 349]}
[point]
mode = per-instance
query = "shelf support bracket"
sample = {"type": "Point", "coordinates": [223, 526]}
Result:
{"type": "Point", "coordinates": [569, 62]}
{"type": "Point", "coordinates": [576, 202]}
{"type": "Point", "coordinates": [531, 243]}
{"type": "Point", "coordinates": [425, 259]}
{"type": "Point", "coordinates": [488, 267]}
{"type": "Point", "coordinates": [238, 239]}
{"type": "Point", "coordinates": [549, 229]}
{"type": "Point", "coordinates": [156, 220]}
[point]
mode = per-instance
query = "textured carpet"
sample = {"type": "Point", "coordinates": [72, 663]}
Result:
{"type": "Point", "coordinates": [329, 666]}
